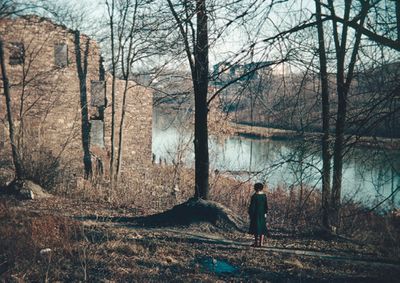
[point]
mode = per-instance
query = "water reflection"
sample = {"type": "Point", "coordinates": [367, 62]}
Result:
{"type": "Point", "coordinates": [369, 175]}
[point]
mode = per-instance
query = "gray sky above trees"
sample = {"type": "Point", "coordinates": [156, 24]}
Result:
{"type": "Point", "coordinates": [242, 32]}
{"type": "Point", "coordinates": [238, 29]}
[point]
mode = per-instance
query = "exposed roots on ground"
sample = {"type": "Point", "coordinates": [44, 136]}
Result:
{"type": "Point", "coordinates": [195, 211]}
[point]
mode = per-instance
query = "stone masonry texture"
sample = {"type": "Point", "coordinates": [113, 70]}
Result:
{"type": "Point", "coordinates": [46, 98]}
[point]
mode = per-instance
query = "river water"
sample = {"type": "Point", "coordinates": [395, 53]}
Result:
{"type": "Point", "coordinates": [369, 175]}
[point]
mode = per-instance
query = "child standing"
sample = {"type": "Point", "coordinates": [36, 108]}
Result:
{"type": "Point", "coordinates": [258, 211]}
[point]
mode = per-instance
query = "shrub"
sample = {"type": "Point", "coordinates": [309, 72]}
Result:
{"type": "Point", "coordinates": [42, 167]}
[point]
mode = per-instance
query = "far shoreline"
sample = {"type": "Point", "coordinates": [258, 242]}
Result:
{"type": "Point", "coordinates": [259, 133]}
{"type": "Point", "coordinates": [247, 131]}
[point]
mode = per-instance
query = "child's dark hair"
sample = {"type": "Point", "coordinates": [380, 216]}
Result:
{"type": "Point", "coordinates": [258, 187]}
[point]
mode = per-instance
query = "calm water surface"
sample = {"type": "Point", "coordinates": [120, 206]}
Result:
{"type": "Point", "coordinates": [369, 175]}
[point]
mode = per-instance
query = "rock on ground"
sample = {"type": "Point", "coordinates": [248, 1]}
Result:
{"type": "Point", "coordinates": [26, 189]}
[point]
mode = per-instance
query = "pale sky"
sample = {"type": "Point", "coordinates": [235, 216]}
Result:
{"type": "Point", "coordinates": [232, 41]}
{"type": "Point", "coordinates": [239, 36]}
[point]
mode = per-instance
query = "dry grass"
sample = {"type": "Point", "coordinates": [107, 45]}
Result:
{"type": "Point", "coordinates": [83, 252]}
{"type": "Point", "coordinates": [381, 230]}
{"type": "Point", "coordinates": [162, 187]}
{"type": "Point", "coordinates": [100, 252]}
{"type": "Point", "coordinates": [24, 238]}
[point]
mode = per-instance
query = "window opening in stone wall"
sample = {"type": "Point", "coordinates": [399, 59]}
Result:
{"type": "Point", "coordinates": [61, 55]}
{"type": "Point", "coordinates": [17, 53]}
{"type": "Point", "coordinates": [97, 133]}
{"type": "Point", "coordinates": [98, 94]}
{"type": "Point", "coordinates": [98, 103]}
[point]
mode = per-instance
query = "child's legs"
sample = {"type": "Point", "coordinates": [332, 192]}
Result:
{"type": "Point", "coordinates": [261, 240]}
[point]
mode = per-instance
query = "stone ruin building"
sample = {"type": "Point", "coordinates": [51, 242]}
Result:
{"type": "Point", "coordinates": [41, 65]}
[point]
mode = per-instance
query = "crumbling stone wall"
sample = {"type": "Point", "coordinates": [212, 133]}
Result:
{"type": "Point", "coordinates": [41, 65]}
{"type": "Point", "coordinates": [137, 127]}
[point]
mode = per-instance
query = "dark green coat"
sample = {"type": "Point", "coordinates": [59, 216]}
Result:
{"type": "Point", "coordinates": [257, 210]}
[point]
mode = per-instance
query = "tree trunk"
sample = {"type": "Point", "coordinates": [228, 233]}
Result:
{"type": "Point", "coordinates": [340, 47]}
{"type": "Point", "coordinates": [338, 154]}
{"type": "Point", "coordinates": [85, 125]}
{"type": "Point", "coordinates": [326, 158]}
{"type": "Point", "coordinates": [17, 162]}
{"type": "Point", "coordinates": [126, 72]}
{"type": "Point", "coordinates": [121, 132]}
{"type": "Point", "coordinates": [198, 62]}
{"type": "Point", "coordinates": [200, 83]}
{"type": "Point", "coordinates": [343, 85]}
{"type": "Point", "coordinates": [398, 19]}
{"type": "Point", "coordinates": [113, 71]}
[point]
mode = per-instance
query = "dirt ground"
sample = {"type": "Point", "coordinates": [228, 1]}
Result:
{"type": "Point", "coordinates": [66, 240]}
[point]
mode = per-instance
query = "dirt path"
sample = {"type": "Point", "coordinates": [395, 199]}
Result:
{"type": "Point", "coordinates": [351, 253]}
{"type": "Point", "coordinates": [201, 237]}
{"type": "Point", "coordinates": [212, 239]}
{"type": "Point", "coordinates": [182, 234]}
{"type": "Point", "coordinates": [111, 246]}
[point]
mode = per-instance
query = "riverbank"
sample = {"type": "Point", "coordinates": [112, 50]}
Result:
{"type": "Point", "coordinates": [87, 232]}
{"type": "Point", "coordinates": [221, 126]}
{"type": "Point", "coordinates": [256, 132]}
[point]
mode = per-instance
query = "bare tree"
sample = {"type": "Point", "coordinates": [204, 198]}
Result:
{"type": "Point", "coordinates": [326, 157]}
{"type": "Point", "coordinates": [398, 19]}
{"type": "Point", "coordinates": [351, 23]}
{"type": "Point", "coordinates": [11, 127]}
{"type": "Point", "coordinates": [114, 61]}
{"type": "Point", "coordinates": [8, 8]}
{"type": "Point", "coordinates": [75, 17]}
{"type": "Point", "coordinates": [343, 82]}
{"type": "Point", "coordinates": [132, 38]}
{"type": "Point", "coordinates": [82, 66]}
{"type": "Point", "coordinates": [197, 56]}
